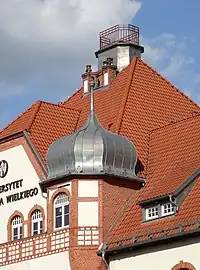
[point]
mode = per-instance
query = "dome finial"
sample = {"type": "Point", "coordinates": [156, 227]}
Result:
{"type": "Point", "coordinates": [92, 97]}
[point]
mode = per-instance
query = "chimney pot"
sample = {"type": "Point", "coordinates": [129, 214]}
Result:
{"type": "Point", "coordinates": [88, 69]}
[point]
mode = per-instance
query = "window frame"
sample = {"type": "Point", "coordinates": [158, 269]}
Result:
{"type": "Point", "coordinates": [18, 226]}
{"type": "Point", "coordinates": [150, 212]}
{"type": "Point", "coordinates": [63, 206]}
{"type": "Point", "coordinates": [160, 211]}
{"type": "Point", "coordinates": [38, 220]}
{"type": "Point", "coordinates": [171, 209]}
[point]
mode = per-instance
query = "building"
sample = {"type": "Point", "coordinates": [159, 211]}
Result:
{"type": "Point", "coordinates": [107, 179]}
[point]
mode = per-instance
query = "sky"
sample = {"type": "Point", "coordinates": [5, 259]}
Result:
{"type": "Point", "coordinates": [45, 45]}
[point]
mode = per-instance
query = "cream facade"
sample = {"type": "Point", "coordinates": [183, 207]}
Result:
{"type": "Point", "coordinates": [55, 261]}
{"type": "Point", "coordinates": [20, 190]}
{"type": "Point", "coordinates": [163, 257]}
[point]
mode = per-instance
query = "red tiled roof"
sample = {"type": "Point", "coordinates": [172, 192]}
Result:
{"type": "Point", "coordinates": [137, 102]}
{"type": "Point", "coordinates": [130, 225]}
{"type": "Point", "coordinates": [45, 122]}
{"type": "Point", "coordinates": [22, 122]}
{"type": "Point", "coordinates": [172, 158]}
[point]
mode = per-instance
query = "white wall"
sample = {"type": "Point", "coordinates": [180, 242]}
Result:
{"type": "Point", "coordinates": [19, 167]}
{"type": "Point", "coordinates": [156, 259]}
{"type": "Point", "coordinates": [55, 261]}
{"type": "Point", "coordinates": [88, 214]}
{"type": "Point", "coordinates": [87, 188]}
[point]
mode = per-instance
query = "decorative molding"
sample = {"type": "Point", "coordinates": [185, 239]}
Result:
{"type": "Point", "coordinates": [46, 244]}
{"type": "Point", "coordinates": [29, 221]}
{"type": "Point", "coordinates": [50, 217]}
{"type": "Point", "coordinates": [183, 266]}
{"type": "Point", "coordinates": [88, 199]}
{"type": "Point", "coordinates": [9, 226]}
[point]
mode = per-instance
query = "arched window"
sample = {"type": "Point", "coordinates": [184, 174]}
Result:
{"type": "Point", "coordinates": [61, 211]}
{"type": "Point", "coordinates": [37, 220]}
{"type": "Point", "coordinates": [16, 228]}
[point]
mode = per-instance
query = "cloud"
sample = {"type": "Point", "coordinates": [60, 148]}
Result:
{"type": "Point", "coordinates": [172, 57]}
{"type": "Point", "coordinates": [45, 44]}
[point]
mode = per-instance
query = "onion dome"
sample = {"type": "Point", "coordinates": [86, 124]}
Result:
{"type": "Point", "coordinates": [92, 150]}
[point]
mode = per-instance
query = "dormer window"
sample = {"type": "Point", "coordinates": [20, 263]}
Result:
{"type": "Point", "coordinates": [167, 209]}
{"type": "Point", "coordinates": [158, 211]}
{"type": "Point", "coordinates": [152, 212]}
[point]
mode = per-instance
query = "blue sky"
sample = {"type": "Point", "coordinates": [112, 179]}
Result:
{"type": "Point", "coordinates": [44, 45]}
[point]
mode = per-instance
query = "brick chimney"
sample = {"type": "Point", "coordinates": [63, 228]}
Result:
{"type": "Point", "coordinates": [87, 78]}
{"type": "Point", "coordinates": [109, 71]}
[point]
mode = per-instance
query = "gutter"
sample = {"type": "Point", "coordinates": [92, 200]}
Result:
{"type": "Point", "coordinates": [46, 182]}
{"type": "Point", "coordinates": [149, 242]}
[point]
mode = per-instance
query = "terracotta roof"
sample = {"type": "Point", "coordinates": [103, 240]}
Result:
{"type": "Point", "coordinates": [45, 122]}
{"type": "Point", "coordinates": [130, 225]}
{"type": "Point", "coordinates": [22, 122]}
{"type": "Point", "coordinates": [137, 101]}
{"type": "Point", "coordinates": [172, 158]}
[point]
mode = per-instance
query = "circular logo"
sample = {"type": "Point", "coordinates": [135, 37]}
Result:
{"type": "Point", "coordinates": [3, 168]}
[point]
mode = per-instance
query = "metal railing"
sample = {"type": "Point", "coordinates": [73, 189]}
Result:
{"type": "Point", "coordinates": [119, 33]}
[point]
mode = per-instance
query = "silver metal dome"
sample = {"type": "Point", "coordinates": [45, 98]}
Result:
{"type": "Point", "coordinates": [92, 150]}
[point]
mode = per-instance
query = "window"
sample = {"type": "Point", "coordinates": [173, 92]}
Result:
{"type": "Point", "coordinates": [159, 210]}
{"type": "Point", "coordinates": [16, 228]}
{"type": "Point", "coordinates": [61, 211]}
{"type": "Point", "coordinates": [37, 222]}
{"type": "Point", "coordinates": [152, 212]}
{"type": "Point", "coordinates": [167, 209]}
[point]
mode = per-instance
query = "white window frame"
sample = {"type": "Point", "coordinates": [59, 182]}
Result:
{"type": "Point", "coordinates": [167, 209]}
{"type": "Point", "coordinates": [152, 212]}
{"type": "Point", "coordinates": [17, 224]}
{"type": "Point", "coordinates": [37, 218]}
{"type": "Point", "coordinates": [61, 201]}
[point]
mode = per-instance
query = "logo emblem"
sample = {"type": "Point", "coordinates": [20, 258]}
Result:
{"type": "Point", "coordinates": [3, 168]}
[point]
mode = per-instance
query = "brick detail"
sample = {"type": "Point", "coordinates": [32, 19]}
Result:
{"type": "Point", "coordinates": [50, 216]}
{"type": "Point", "coordinates": [47, 244]}
{"type": "Point", "coordinates": [183, 266]}
{"type": "Point", "coordinates": [88, 236]}
{"type": "Point", "coordinates": [85, 259]}
{"type": "Point", "coordinates": [88, 199]}
{"type": "Point", "coordinates": [22, 141]}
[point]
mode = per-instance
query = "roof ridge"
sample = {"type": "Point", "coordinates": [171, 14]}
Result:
{"type": "Point", "coordinates": [20, 115]}
{"type": "Point", "coordinates": [60, 105]}
{"type": "Point", "coordinates": [175, 122]}
{"type": "Point", "coordinates": [126, 93]}
{"type": "Point", "coordinates": [35, 115]}
{"type": "Point", "coordinates": [77, 90]}
{"type": "Point", "coordinates": [167, 81]}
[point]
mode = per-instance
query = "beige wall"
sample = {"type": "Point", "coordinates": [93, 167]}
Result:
{"type": "Point", "coordinates": [155, 258]}
{"type": "Point", "coordinates": [56, 261]}
{"type": "Point", "coordinates": [19, 167]}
